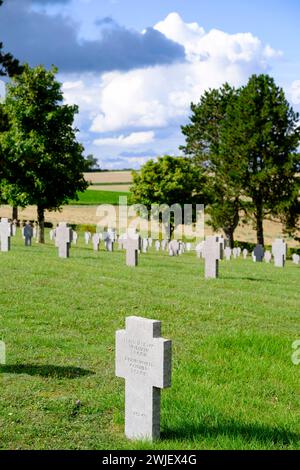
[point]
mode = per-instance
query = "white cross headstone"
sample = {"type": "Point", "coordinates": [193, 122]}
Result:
{"type": "Point", "coordinates": [87, 237]}
{"type": "Point", "coordinates": [227, 253]}
{"type": "Point", "coordinates": [296, 258]}
{"type": "Point", "coordinates": [28, 234]}
{"type": "Point", "coordinates": [5, 234]}
{"type": "Point", "coordinates": [212, 253]}
{"type": "Point", "coordinates": [258, 253]}
{"type": "Point", "coordinates": [2, 353]}
{"type": "Point", "coordinates": [279, 252]}
{"type": "Point", "coordinates": [14, 228]}
{"type": "Point", "coordinates": [245, 253]}
{"type": "Point", "coordinates": [63, 239]}
{"type": "Point", "coordinates": [132, 244]}
{"type": "Point", "coordinates": [51, 234]}
{"type": "Point", "coordinates": [239, 251]}
{"type": "Point", "coordinates": [174, 248]}
{"type": "Point", "coordinates": [143, 359]}
{"type": "Point", "coordinates": [109, 238]}
{"type": "Point", "coordinates": [157, 245]}
{"type": "Point", "coordinates": [145, 244]}
{"type": "Point", "coordinates": [164, 244]}
{"type": "Point", "coordinates": [268, 256]}
{"type": "Point", "coordinates": [199, 249]}
{"type": "Point", "coordinates": [150, 242]}
{"type": "Point", "coordinates": [74, 237]}
{"type": "Point", "coordinates": [235, 252]}
{"type": "Point", "coordinates": [96, 241]}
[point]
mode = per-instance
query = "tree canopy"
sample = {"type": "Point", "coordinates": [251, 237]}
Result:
{"type": "Point", "coordinates": [43, 161]}
{"type": "Point", "coordinates": [246, 140]}
{"type": "Point", "coordinates": [166, 181]}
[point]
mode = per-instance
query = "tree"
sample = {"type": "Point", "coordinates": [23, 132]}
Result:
{"type": "Point", "coordinates": [246, 141]}
{"type": "Point", "coordinates": [167, 181]}
{"type": "Point", "coordinates": [203, 140]}
{"type": "Point", "coordinates": [43, 160]}
{"type": "Point", "coordinates": [91, 163]}
{"type": "Point", "coordinates": [261, 132]}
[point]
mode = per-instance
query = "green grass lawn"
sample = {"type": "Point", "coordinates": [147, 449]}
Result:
{"type": "Point", "coordinates": [234, 385]}
{"type": "Point", "coordinates": [93, 197]}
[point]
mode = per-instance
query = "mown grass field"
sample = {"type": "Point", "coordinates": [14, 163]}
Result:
{"type": "Point", "coordinates": [96, 197]}
{"type": "Point", "coordinates": [234, 384]}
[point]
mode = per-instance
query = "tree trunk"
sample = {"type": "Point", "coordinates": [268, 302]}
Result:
{"type": "Point", "coordinates": [41, 224]}
{"type": "Point", "coordinates": [15, 213]}
{"type": "Point", "coordinates": [229, 232]}
{"type": "Point", "coordinates": [259, 224]}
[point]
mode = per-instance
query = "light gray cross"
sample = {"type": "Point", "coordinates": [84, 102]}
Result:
{"type": "Point", "coordinates": [5, 234]}
{"type": "Point", "coordinates": [63, 239]}
{"type": "Point", "coordinates": [143, 359]}
{"type": "Point", "coordinates": [212, 253]}
{"type": "Point", "coordinates": [279, 252]}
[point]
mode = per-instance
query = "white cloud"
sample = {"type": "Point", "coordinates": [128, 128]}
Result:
{"type": "Point", "coordinates": [216, 44]}
{"type": "Point", "coordinates": [132, 140]}
{"type": "Point", "coordinates": [128, 106]}
{"type": "Point", "coordinates": [155, 96]}
{"type": "Point", "coordinates": [295, 92]}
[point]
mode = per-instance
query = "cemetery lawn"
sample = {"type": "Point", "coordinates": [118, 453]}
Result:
{"type": "Point", "coordinates": [234, 385]}
{"type": "Point", "coordinates": [96, 197]}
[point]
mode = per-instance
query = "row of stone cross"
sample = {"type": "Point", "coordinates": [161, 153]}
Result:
{"type": "Point", "coordinates": [212, 249]}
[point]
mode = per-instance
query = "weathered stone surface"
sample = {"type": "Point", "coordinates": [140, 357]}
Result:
{"type": "Point", "coordinates": [143, 359]}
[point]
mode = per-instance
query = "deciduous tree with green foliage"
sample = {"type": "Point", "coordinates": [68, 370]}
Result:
{"type": "Point", "coordinates": [246, 141]}
{"type": "Point", "coordinates": [222, 183]}
{"type": "Point", "coordinates": [167, 181]}
{"type": "Point", "coordinates": [91, 163]}
{"type": "Point", "coordinates": [43, 160]}
{"type": "Point", "coordinates": [261, 134]}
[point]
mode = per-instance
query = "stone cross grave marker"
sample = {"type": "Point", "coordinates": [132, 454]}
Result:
{"type": "Point", "coordinates": [5, 234]}
{"type": "Point", "coordinates": [87, 237]}
{"type": "Point", "coordinates": [174, 248]}
{"type": "Point", "coordinates": [63, 239]}
{"type": "Point", "coordinates": [2, 353]}
{"type": "Point", "coordinates": [296, 258]}
{"type": "Point", "coordinates": [268, 256]}
{"type": "Point", "coordinates": [279, 252]}
{"type": "Point", "coordinates": [109, 238]}
{"type": "Point", "coordinates": [145, 244]}
{"type": "Point", "coordinates": [143, 359]}
{"type": "Point", "coordinates": [28, 233]}
{"type": "Point", "coordinates": [14, 228]}
{"type": "Point", "coordinates": [74, 237]}
{"type": "Point", "coordinates": [212, 253]}
{"type": "Point", "coordinates": [245, 253]}
{"type": "Point", "coordinates": [258, 253]}
{"type": "Point", "coordinates": [132, 244]}
{"type": "Point", "coordinates": [164, 244]}
{"type": "Point", "coordinates": [227, 253]}
{"type": "Point", "coordinates": [199, 249]}
{"type": "Point", "coordinates": [157, 245]}
{"type": "Point", "coordinates": [96, 241]}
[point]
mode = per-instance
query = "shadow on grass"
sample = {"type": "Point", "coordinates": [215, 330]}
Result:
{"type": "Point", "coordinates": [241, 278]}
{"type": "Point", "coordinates": [46, 370]}
{"type": "Point", "coordinates": [233, 429]}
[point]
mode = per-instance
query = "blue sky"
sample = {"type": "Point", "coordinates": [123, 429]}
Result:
{"type": "Point", "coordinates": [133, 67]}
